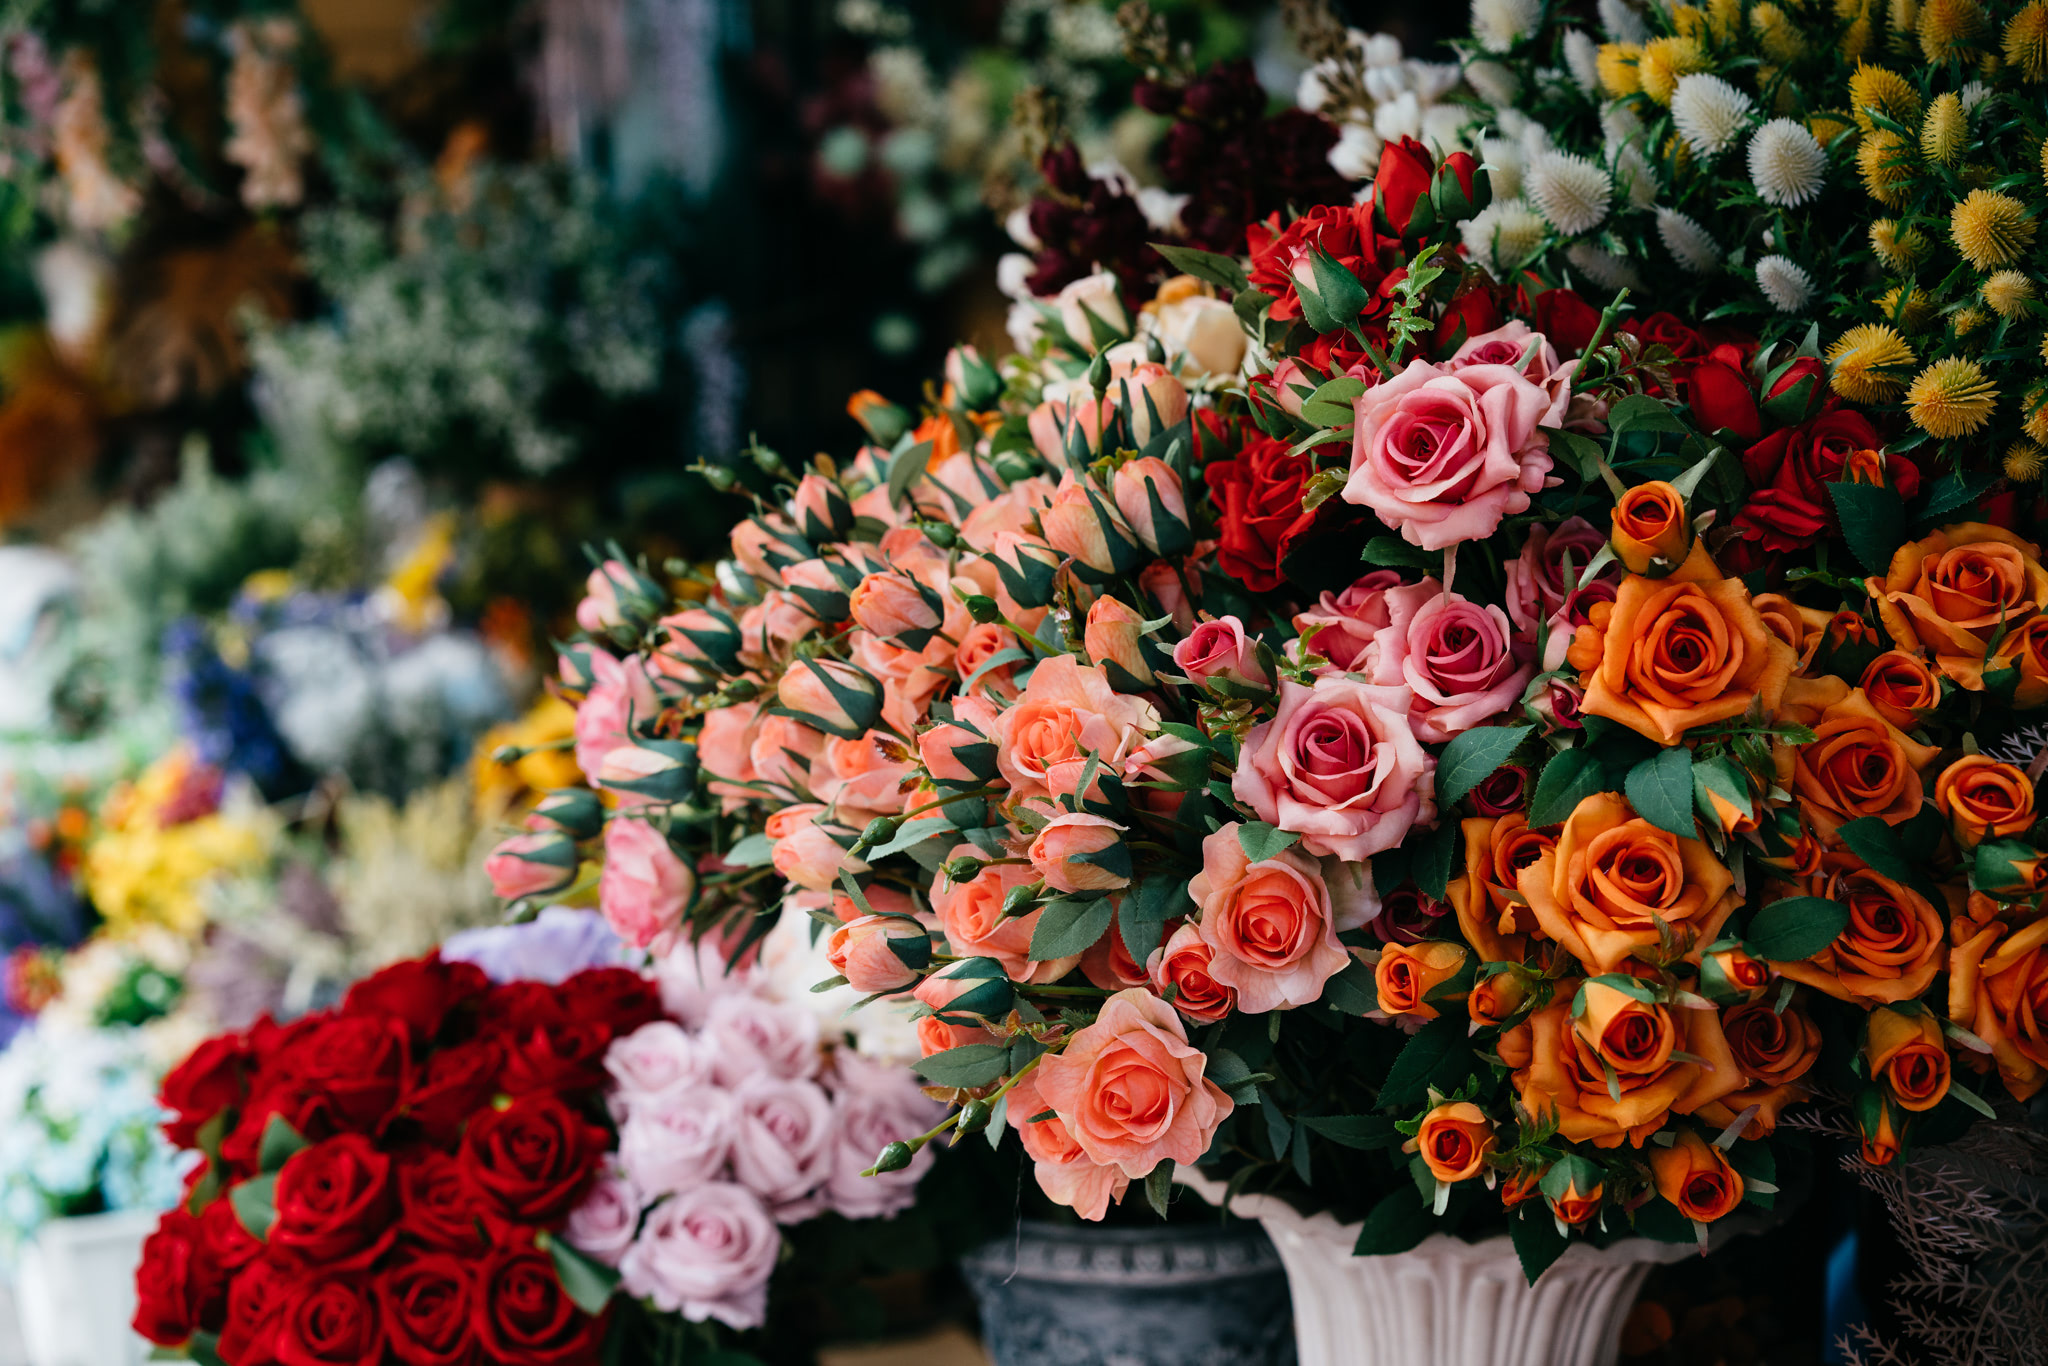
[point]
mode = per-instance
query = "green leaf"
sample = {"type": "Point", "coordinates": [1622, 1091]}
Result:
{"type": "Point", "coordinates": [1641, 413]}
{"type": "Point", "coordinates": [1474, 756]}
{"type": "Point", "coordinates": [1224, 272]}
{"type": "Point", "coordinates": [1396, 1224]}
{"type": "Point", "coordinates": [1537, 1241]}
{"type": "Point", "coordinates": [1660, 789]}
{"type": "Point", "coordinates": [1150, 903]}
{"type": "Point", "coordinates": [1352, 991]}
{"type": "Point", "coordinates": [1069, 926]}
{"type": "Point", "coordinates": [1873, 520]}
{"type": "Point", "coordinates": [255, 1203]}
{"type": "Point", "coordinates": [1231, 1073]}
{"type": "Point", "coordinates": [1795, 929]}
{"type": "Point", "coordinates": [906, 467]}
{"type": "Point", "coordinates": [1437, 1053]}
{"type": "Point", "coordinates": [1891, 849]}
{"type": "Point", "coordinates": [1755, 1162]}
{"type": "Point", "coordinates": [1392, 552]}
{"type": "Point", "coordinates": [588, 1283]}
{"type": "Point", "coordinates": [1661, 1220]}
{"type": "Point", "coordinates": [1584, 452]}
{"type": "Point", "coordinates": [1435, 855]}
{"type": "Point", "coordinates": [752, 852]}
{"type": "Point", "coordinates": [1952, 492]}
{"type": "Point", "coordinates": [970, 1065]}
{"type": "Point", "coordinates": [1159, 1188]}
{"type": "Point", "coordinates": [1366, 1132]}
{"type": "Point", "coordinates": [1571, 776]}
{"type": "Point", "coordinates": [1261, 841]}
{"type": "Point", "coordinates": [279, 1142]}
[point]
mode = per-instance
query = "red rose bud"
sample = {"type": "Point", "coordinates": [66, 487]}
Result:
{"type": "Point", "coordinates": [1568, 320]}
{"type": "Point", "coordinates": [1462, 188]}
{"type": "Point", "coordinates": [1111, 637]}
{"type": "Point", "coordinates": [1721, 399]}
{"type": "Point", "coordinates": [650, 772]}
{"type": "Point", "coordinates": [973, 380]}
{"type": "Point", "coordinates": [970, 992]}
{"type": "Point", "coordinates": [1506, 789]}
{"type": "Point", "coordinates": [702, 635]}
{"type": "Point", "coordinates": [883, 421]}
{"type": "Point", "coordinates": [574, 811]}
{"type": "Point", "coordinates": [831, 696]}
{"type": "Point", "coordinates": [879, 953]}
{"type": "Point", "coordinates": [821, 509]}
{"type": "Point", "coordinates": [1149, 495]}
{"type": "Point", "coordinates": [898, 608]}
{"type": "Point", "coordinates": [1796, 391]}
{"type": "Point", "coordinates": [1400, 190]}
{"type": "Point", "coordinates": [538, 864]}
{"type": "Point", "coordinates": [1470, 315]}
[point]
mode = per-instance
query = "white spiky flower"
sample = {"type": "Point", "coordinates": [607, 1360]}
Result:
{"type": "Point", "coordinates": [1785, 284]}
{"type": "Point", "coordinates": [1786, 164]}
{"type": "Point", "coordinates": [1603, 267]}
{"type": "Point", "coordinates": [1619, 124]}
{"type": "Point", "coordinates": [1633, 173]}
{"type": "Point", "coordinates": [1570, 192]}
{"type": "Point", "coordinates": [1494, 83]}
{"type": "Point", "coordinates": [1504, 162]}
{"type": "Point", "coordinates": [1622, 22]}
{"type": "Point", "coordinates": [1691, 245]}
{"type": "Point", "coordinates": [1582, 55]}
{"type": "Point", "coordinates": [1709, 113]}
{"type": "Point", "coordinates": [1503, 235]}
{"type": "Point", "coordinates": [1499, 24]}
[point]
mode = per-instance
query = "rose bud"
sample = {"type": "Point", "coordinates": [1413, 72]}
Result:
{"type": "Point", "coordinates": [1092, 311]}
{"type": "Point", "coordinates": [700, 635]}
{"type": "Point", "coordinates": [1520, 1187]}
{"type": "Point", "coordinates": [617, 595]}
{"type": "Point", "coordinates": [1112, 638]}
{"type": "Point", "coordinates": [1029, 569]}
{"type": "Point", "coordinates": [1153, 400]}
{"type": "Point", "coordinates": [1454, 1140]}
{"type": "Point", "coordinates": [1882, 1133]}
{"type": "Point", "coordinates": [1731, 977]}
{"type": "Point", "coordinates": [1652, 535]}
{"type": "Point", "coordinates": [1558, 706]}
{"type": "Point", "coordinates": [882, 420]}
{"type": "Point", "coordinates": [1796, 392]}
{"type": "Point", "coordinates": [575, 811]}
{"type": "Point", "coordinates": [1082, 853]}
{"type": "Point", "coordinates": [969, 992]}
{"type": "Point", "coordinates": [1575, 1206]}
{"type": "Point", "coordinates": [953, 754]}
{"type": "Point", "coordinates": [1148, 494]}
{"type": "Point", "coordinates": [1907, 1054]}
{"type": "Point", "coordinates": [1495, 999]}
{"type": "Point", "coordinates": [973, 380]}
{"type": "Point", "coordinates": [1504, 791]}
{"type": "Point", "coordinates": [1408, 975]}
{"type": "Point", "coordinates": [1721, 399]}
{"type": "Point", "coordinates": [810, 856]}
{"type": "Point", "coordinates": [650, 772]}
{"type": "Point", "coordinates": [1222, 649]}
{"type": "Point", "coordinates": [1694, 1175]}
{"type": "Point", "coordinates": [1183, 964]}
{"type": "Point", "coordinates": [574, 666]}
{"type": "Point", "coordinates": [1080, 525]}
{"type": "Point", "coordinates": [898, 608]}
{"type": "Point", "coordinates": [821, 510]}
{"type": "Point", "coordinates": [765, 548]}
{"type": "Point", "coordinates": [831, 696]}
{"type": "Point", "coordinates": [821, 586]}
{"type": "Point", "coordinates": [1462, 188]}
{"type": "Point", "coordinates": [1985, 799]}
{"type": "Point", "coordinates": [879, 953]}
{"type": "Point", "coordinates": [538, 864]}
{"type": "Point", "coordinates": [1400, 189]}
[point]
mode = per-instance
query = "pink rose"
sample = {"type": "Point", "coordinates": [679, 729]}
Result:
{"type": "Point", "coordinates": [1067, 712]}
{"type": "Point", "coordinates": [1442, 456]}
{"type": "Point", "coordinates": [748, 1035]}
{"type": "Point", "coordinates": [531, 865]}
{"type": "Point", "coordinates": [677, 1139]}
{"type": "Point", "coordinates": [1076, 852]}
{"type": "Point", "coordinates": [1267, 924]}
{"type": "Point", "coordinates": [1183, 962]}
{"type": "Point", "coordinates": [961, 750]}
{"type": "Point", "coordinates": [1462, 661]}
{"type": "Point", "coordinates": [620, 694]}
{"type": "Point", "coordinates": [692, 976]}
{"type": "Point", "coordinates": [859, 951]}
{"type": "Point", "coordinates": [645, 889]}
{"type": "Point", "coordinates": [600, 609]}
{"type": "Point", "coordinates": [808, 852]}
{"type": "Point", "coordinates": [632, 764]}
{"type": "Point", "coordinates": [820, 509]}
{"type": "Point", "coordinates": [1137, 483]}
{"type": "Point", "coordinates": [1345, 623]}
{"type": "Point", "coordinates": [859, 779]}
{"type": "Point", "coordinates": [1083, 524]}
{"type": "Point", "coordinates": [1340, 765]}
{"type": "Point", "coordinates": [1014, 510]}
{"type": "Point", "coordinates": [781, 754]}
{"type": "Point", "coordinates": [971, 913]}
{"type": "Point", "coordinates": [979, 646]}
{"type": "Point", "coordinates": [1130, 1088]}
{"type": "Point", "coordinates": [706, 1254]}
{"type": "Point", "coordinates": [725, 753]}
{"type": "Point", "coordinates": [874, 1105]}
{"type": "Point", "coordinates": [657, 1059]}
{"type": "Point", "coordinates": [760, 545]}
{"type": "Point", "coordinates": [1221, 649]}
{"type": "Point", "coordinates": [782, 1140]}
{"type": "Point", "coordinates": [602, 1227]}
{"type": "Point", "coordinates": [1067, 1175]}
{"type": "Point", "coordinates": [894, 605]}
{"type": "Point", "coordinates": [830, 695]}
{"type": "Point", "coordinates": [1149, 389]}
{"type": "Point", "coordinates": [1537, 582]}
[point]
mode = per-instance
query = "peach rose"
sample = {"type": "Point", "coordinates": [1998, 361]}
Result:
{"type": "Point", "coordinates": [980, 643]}
{"type": "Point", "coordinates": [1496, 999]}
{"type": "Point", "coordinates": [960, 751]}
{"type": "Point", "coordinates": [1907, 1054]}
{"type": "Point", "coordinates": [1407, 974]}
{"type": "Point", "coordinates": [1076, 852]}
{"type": "Point", "coordinates": [859, 779]}
{"type": "Point", "coordinates": [971, 914]}
{"type": "Point", "coordinates": [1671, 654]}
{"type": "Point", "coordinates": [1267, 924]}
{"type": "Point", "coordinates": [1067, 712]}
{"type": "Point", "coordinates": [1131, 1089]}
{"type": "Point", "coordinates": [1462, 662]}
{"type": "Point", "coordinates": [860, 952]}
{"type": "Point", "coordinates": [1949, 593]}
{"type": "Point", "coordinates": [810, 853]}
{"type": "Point", "coordinates": [1083, 524]}
{"type": "Point", "coordinates": [2026, 649]}
{"type": "Point", "coordinates": [1183, 963]}
{"type": "Point", "coordinates": [1998, 990]}
{"type": "Point", "coordinates": [1112, 634]}
{"type": "Point", "coordinates": [1694, 1175]}
{"type": "Point", "coordinates": [1148, 492]}
{"type": "Point", "coordinates": [1613, 877]}
{"type": "Point", "coordinates": [1493, 914]}
{"type": "Point", "coordinates": [1651, 530]}
{"type": "Point", "coordinates": [1881, 1137]}
{"type": "Point", "coordinates": [1774, 1049]}
{"type": "Point", "coordinates": [1859, 764]}
{"type": "Point", "coordinates": [1984, 799]}
{"type": "Point", "coordinates": [1730, 975]}
{"type": "Point", "coordinates": [1066, 1174]}
{"type": "Point", "coordinates": [896, 605]}
{"type": "Point", "coordinates": [1108, 963]}
{"type": "Point", "coordinates": [1891, 947]}
{"type": "Point", "coordinates": [1341, 626]}
{"type": "Point", "coordinates": [1338, 764]}
{"type": "Point", "coordinates": [1454, 1141]}
{"type": "Point", "coordinates": [725, 753]}
{"type": "Point", "coordinates": [1570, 1061]}
{"type": "Point", "coordinates": [1901, 687]}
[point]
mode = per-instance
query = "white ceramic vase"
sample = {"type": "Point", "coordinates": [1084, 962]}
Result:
{"type": "Point", "coordinates": [1447, 1302]}
{"type": "Point", "coordinates": [74, 1290]}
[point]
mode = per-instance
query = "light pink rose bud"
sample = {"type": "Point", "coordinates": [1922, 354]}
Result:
{"type": "Point", "coordinates": [1163, 530]}
{"type": "Point", "coordinates": [602, 1227]}
{"type": "Point", "coordinates": [531, 865]}
{"type": "Point", "coordinates": [1082, 853]}
{"type": "Point", "coordinates": [810, 857]}
{"type": "Point", "coordinates": [1221, 649]}
{"type": "Point", "coordinates": [657, 1058]}
{"type": "Point", "coordinates": [631, 764]}
{"type": "Point", "coordinates": [861, 953]}
{"type": "Point", "coordinates": [1081, 528]}
{"type": "Point", "coordinates": [832, 695]}
{"type": "Point", "coordinates": [645, 888]}
{"type": "Point", "coordinates": [761, 550]}
{"type": "Point", "coordinates": [600, 609]}
{"type": "Point", "coordinates": [1112, 637]}
{"type": "Point", "coordinates": [893, 605]}
{"type": "Point", "coordinates": [1291, 385]}
{"type": "Point", "coordinates": [1096, 295]}
{"type": "Point", "coordinates": [1161, 581]}
{"type": "Point", "coordinates": [821, 509]}
{"type": "Point", "coordinates": [1169, 399]}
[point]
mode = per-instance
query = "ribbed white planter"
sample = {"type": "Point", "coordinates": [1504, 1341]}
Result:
{"type": "Point", "coordinates": [1447, 1302]}
{"type": "Point", "coordinates": [74, 1290]}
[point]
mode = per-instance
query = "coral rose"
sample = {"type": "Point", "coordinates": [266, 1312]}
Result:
{"type": "Point", "coordinates": [1949, 593]}
{"type": "Point", "coordinates": [1907, 1054]}
{"type": "Point", "coordinates": [1067, 1175]}
{"type": "Point", "coordinates": [1493, 914]}
{"type": "Point", "coordinates": [1183, 963]}
{"type": "Point", "coordinates": [1859, 764]}
{"type": "Point", "coordinates": [1339, 765]}
{"type": "Point", "coordinates": [1984, 799]}
{"type": "Point", "coordinates": [1694, 1175]}
{"type": "Point", "coordinates": [971, 913]}
{"type": "Point", "coordinates": [1890, 949]}
{"type": "Point", "coordinates": [1998, 990]}
{"type": "Point", "coordinates": [1077, 852]}
{"type": "Point", "coordinates": [1454, 1141]}
{"type": "Point", "coordinates": [1408, 975]}
{"type": "Point", "coordinates": [1067, 712]}
{"type": "Point", "coordinates": [1267, 923]}
{"type": "Point", "coordinates": [861, 951]}
{"type": "Point", "coordinates": [1615, 882]}
{"type": "Point", "coordinates": [1462, 662]}
{"type": "Point", "coordinates": [1901, 687]}
{"type": "Point", "coordinates": [1130, 1088]}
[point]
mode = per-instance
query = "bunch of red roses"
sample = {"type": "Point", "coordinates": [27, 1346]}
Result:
{"type": "Point", "coordinates": [381, 1180]}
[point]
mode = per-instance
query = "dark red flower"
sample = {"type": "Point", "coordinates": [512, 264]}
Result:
{"type": "Point", "coordinates": [439, 1208]}
{"type": "Point", "coordinates": [1403, 178]}
{"type": "Point", "coordinates": [1505, 789]}
{"type": "Point", "coordinates": [1567, 320]}
{"type": "Point", "coordinates": [617, 997]}
{"type": "Point", "coordinates": [336, 1206]}
{"type": "Point", "coordinates": [228, 1242]}
{"type": "Point", "coordinates": [532, 1160]}
{"type": "Point", "coordinates": [1720, 397]}
{"type": "Point", "coordinates": [1802, 460]}
{"type": "Point", "coordinates": [452, 1086]}
{"type": "Point", "coordinates": [302, 1105]}
{"type": "Point", "coordinates": [1344, 232]}
{"type": "Point", "coordinates": [256, 1303]}
{"type": "Point", "coordinates": [426, 1302]}
{"type": "Point", "coordinates": [561, 1058]}
{"type": "Point", "coordinates": [330, 1321]}
{"type": "Point", "coordinates": [1472, 314]}
{"type": "Point", "coordinates": [211, 1079]}
{"type": "Point", "coordinates": [517, 1007]}
{"type": "Point", "coordinates": [1665, 329]}
{"type": "Point", "coordinates": [1779, 520]}
{"type": "Point", "coordinates": [1258, 506]}
{"type": "Point", "coordinates": [357, 1061]}
{"type": "Point", "coordinates": [179, 1290]}
{"type": "Point", "coordinates": [420, 991]}
{"type": "Point", "coordinates": [521, 1313]}
{"type": "Point", "coordinates": [1799, 392]}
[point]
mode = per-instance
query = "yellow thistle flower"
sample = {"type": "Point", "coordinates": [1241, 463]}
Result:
{"type": "Point", "coordinates": [1849, 9]}
{"type": "Point", "coordinates": [1885, 90]}
{"type": "Point", "coordinates": [1914, 315]}
{"type": "Point", "coordinates": [1827, 125]}
{"type": "Point", "coordinates": [2036, 426]}
{"type": "Point", "coordinates": [1945, 130]}
{"type": "Point", "coordinates": [1864, 361]}
{"type": "Point", "coordinates": [2007, 293]}
{"type": "Point", "coordinates": [1616, 64]}
{"type": "Point", "coordinates": [2023, 462]}
{"type": "Point", "coordinates": [1724, 19]}
{"type": "Point", "coordinates": [2044, 161]}
{"type": "Point", "coordinates": [1990, 229]}
{"type": "Point", "coordinates": [1665, 60]}
{"type": "Point", "coordinates": [1968, 319]}
{"type": "Point", "coordinates": [1951, 397]}
{"type": "Point", "coordinates": [2044, 350]}
{"type": "Point", "coordinates": [1776, 34]}
{"type": "Point", "coordinates": [1900, 18]}
{"type": "Point", "coordinates": [1689, 21]}
{"type": "Point", "coordinates": [2026, 41]}
{"type": "Point", "coordinates": [1899, 250]}
{"type": "Point", "coordinates": [1950, 30]}
{"type": "Point", "coordinates": [1855, 42]}
{"type": "Point", "coordinates": [1885, 161]}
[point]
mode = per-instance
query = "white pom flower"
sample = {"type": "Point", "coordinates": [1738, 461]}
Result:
{"type": "Point", "coordinates": [1624, 24]}
{"type": "Point", "coordinates": [1571, 192]}
{"type": "Point", "coordinates": [1691, 245]}
{"type": "Point", "coordinates": [1499, 24]}
{"type": "Point", "coordinates": [1494, 83]}
{"type": "Point", "coordinates": [1632, 172]}
{"type": "Point", "coordinates": [1619, 124]}
{"type": "Point", "coordinates": [1786, 164]}
{"type": "Point", "coordinates": [1709, 113]}
{"type": "Point", "coordinates": [1504, 235]}
{"type": "Point", "coordinates": [1504, 162]}
{"type": "Point", "coordinates": [1787, 286]}
{"type": "Point", "coordinates": [1603, 267]}
{"type": "Point", "coordinates": [1582, 56]}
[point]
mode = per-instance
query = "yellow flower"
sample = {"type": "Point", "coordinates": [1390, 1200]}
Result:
{"type": "Point", "coordinates": [1968, 319]}
{"type": "Point", "coordinates": [1865, 361]}
{"type": "Point", "coordinates": [1724, 19]}
{"type": "Point", "coordinates": [1899, 250]}
{"type": "Point", "coordinates": [1616, 64]}
{"type": "Point", "coordinates": [2023, 462]}
{"type": "Point", "coordinates": [1688, 21]}
{"type": "Point", "coordinates": [1827, 125]}
{"type": "Point", "coordinates": [2036, 425]}
{"type": "Point", "coordinates": [1951, 397]}
{"type": "Point", "coordinates": [1946, 129]}
{"type": "Point", "coordinates": [1886, 91]}
{"type": "Point", "coordinates": [1856, 38]}
{"type": "Point", "coordinates": [2007, 293]}
{"type": "Point", "coordinates": [1949, 30]}
{"type": "Point", "coordinates": [1915, 315]}
{"type": "Point", "coordinates": [1665, 60]}
{"type": "Point", "coordinates": [1776, 34]}
{"type": "Point", "coordinates": [1885, 161]}
{"type": "Point", "coordinates": [549, 763]}
{"type": "Point", "coordinates": [150, 875]}
{"type": "Point", "coordinates": [1990, 229]}
{"type": "Point", "coordinates": [2026, 41]}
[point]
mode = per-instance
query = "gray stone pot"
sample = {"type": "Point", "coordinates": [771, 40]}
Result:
{"type": "Point", "coordinates": [1183, 1295]}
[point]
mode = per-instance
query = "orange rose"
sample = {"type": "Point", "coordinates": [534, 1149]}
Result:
{"type": "Point", "coordinates": [2026, 649]}
{"type": "Point", "coordinates": [1519, 1187]}
{"type": "Point", "coordinates": [1575, 1207]}
{"type": "Point", "coordinates": [1906, 1053]}
{"type": "Point", "coordinates": [1491, 912]}
{"type": "Point", "coordinates": [1408, 973]}
{"type": "Point", "coordinates": [1859, 764]}
{"type": "Point", "coordinates": [1949, 593]}
{"type": "Point", "coordinates": [1800, 627]}
{"type": "Point", "coordinates": [1732, 975]}
{"type": "Point", "coordinates": [1670, 654]}
{"type": "Point", "coordinates": [1494, 999]}
{"type": "Point", "coordinates": [1983, 799]}
{"type": "Point", "coordinates": [1651, 531]}
{"type": "Point", "coordinates": [1998, 990]}
{"type": "Point", "coordinates": [1901, 687]}
{"type": "Point", "coordinates": [1881, 1137]}
{"type": "Point", "coordinates": [1454, 1140]}
{"type": "Point", "coordinates": [1773, 1049]}
{"type": "Point", "coordinates": [1694, 1175]}
{"type": "Point", "coordinates": [1890, 949]}
{"type": "Point", "coordinates": [1626, 1044]}
{"type": "Point", "coordinates": [1613, 876]}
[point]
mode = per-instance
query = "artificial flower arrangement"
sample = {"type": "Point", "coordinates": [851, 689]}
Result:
{"type": "Point", "coordinates": [447, 1167]}
{"type": "Point", "coordinates": [1524, 874]}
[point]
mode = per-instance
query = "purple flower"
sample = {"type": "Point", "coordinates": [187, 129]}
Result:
{"type": "Point", "coordinates": [552, 947]}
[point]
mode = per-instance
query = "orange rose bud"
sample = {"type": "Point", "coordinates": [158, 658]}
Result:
{"type": "Point", "coordinates": [1882, 1137]}
{"type": "Point", "coordinates": [1694, 1175]}
{"type": "Point", "coordinates": [1901, 687]}
{"type": "Point", "coordinates": [1408, 973]}
{"type": "Point", "coordinates": [1519, 1187]}
{"type": "Point", "coordinates": [1575, 1206]}
{"type": "Point", "coordinates": [1907, 1054]}
{"type": "Point", "coordinates": [882, 420]}
{"type": "Point", "coordinates": [1651, 531]}
{"type": "Point", "coordinates": [1496, 999]}
{"type": "Point", "coordinates": [1112, 636]}
{"type": "Point", "coordinates": [1730, 977]}
{"type": "Point", "coordinates": [1984, 799]}
{"type": "Point", "coordinates": [2026, 649]}
{"type": "Point", "coordinates": [1454, 1140]}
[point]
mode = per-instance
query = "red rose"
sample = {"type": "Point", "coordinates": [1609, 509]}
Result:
{"type": "Point", "coordinates": [256, 1301]}
{"type": "Point", "coordinates": [1568, 320]}
{"type": "Point", "coordinates": [210, 1080]}
{"type": "Point", "coordinates": [304, 1106]}
{"type": "Point", "coordinates": [1404, 174]}
{"type": "Point", "coordinates": [335, 1205]}
{"type": "Point", "coordinates": [516, 1007]}
{"type": "Point", "coordinates": [357, 1061]}
{"type": "Point", "coordinates": [1470, 315]}
{"type": "Point", "coordinates": [178, 1288]}
{"type": "Point", "coordinates": [1720, 397]}
{"type": "Point", "coordinates": [1664, 329]}
{"type": "Point", "coordinates": [1799, 391]}
{"type": "Point", "coordinates": [1343, 231]}
{"type": "Point", "coordinates": [440, 1209]}
{"type": "Point", "coordinates": [229, 1245]}
{"type": "Point", "coordinates": [532, 1159]}
{"type": "Point", "coordinates": [1779, 520]}
{"type": "Point", "coordinates": [1258, 504]}
{"type": "Point", "coordinates": [423, 992]}
{"type": "Point", "coordinates": [332, 1321]}
{"type": "Point", "coordinates": [1797, 463]}
{"type": "Point", "coordinates": [521, 1314]}
{"type": "Point", "coordinates": [618, 997]}
{"type": "Point", "coordinates": [426, 1304]}
{"type": "Point", "coordinates": [452, 1086]}
{"type": "Point", "coordinates": [568, 1057]}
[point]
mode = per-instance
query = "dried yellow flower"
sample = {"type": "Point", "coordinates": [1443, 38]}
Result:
{"type": "Point", "coordinates": [2007, 293]}
{"type": "Point", "coordinates": [2023, 462]}
{"type": "Point", "coordinates": [1885, 161]}
{"type": "Point", "coordinates": [1912, 314]}
{"type": "Point", "coordinates": [1665, 60]}
{"type": "Point", "coordinates": [1828, 125]}
{"type": "Point", "coordinates": [2036, 425]}
{"type": "Point", "coordinates": [1724, 19]}
{"type": "Point", "coordinates": [1886, 91]}
{"type": "Point", "coordinates": [1990, 229]}
{"type": "Point", "coordinates": [1616, 64]}
{"type": "Point", "coordinates": [1776, 34]}
{"type": "Point", "coordinates": [1968, 319]}
{"type": "Point", "coordinates": [1865, 361]}
{"type": "Point", "coordinates": [2026, 41]}
{"type": "Point", "coordinates": [1952, 397]}
{"type": "Point", "coordinates": [1945, 129]}
{"type": "Point", "coordinates": [1950, 30]}
{"type": "Point", "coordinates": [1899, 250]}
